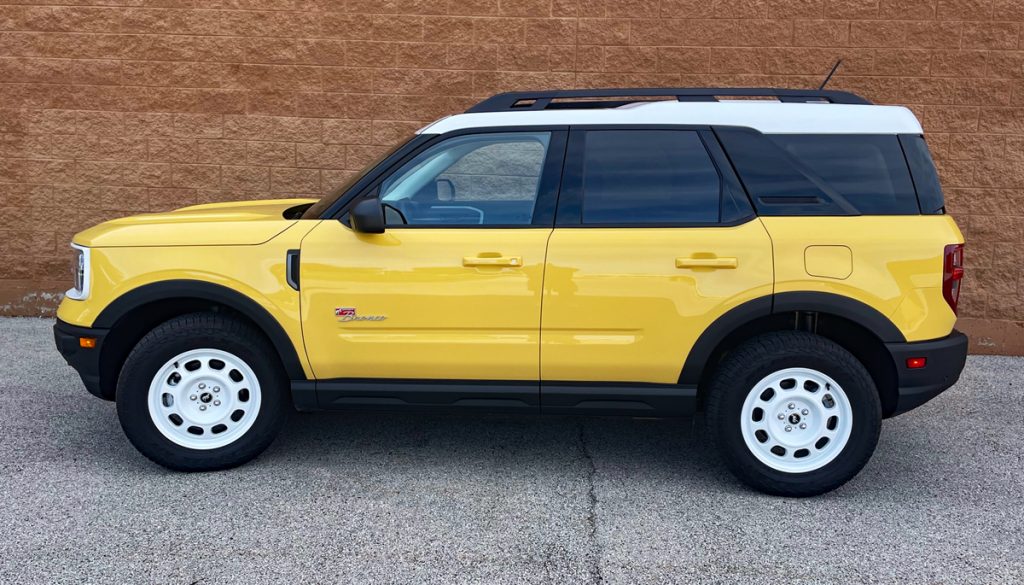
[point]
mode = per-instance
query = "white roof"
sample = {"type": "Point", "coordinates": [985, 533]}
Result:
{"type": "Point", "coordinates": [770, 117]}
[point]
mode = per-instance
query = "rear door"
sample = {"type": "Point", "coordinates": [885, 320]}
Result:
{"type": "Point", "coordinates": [654, 240]}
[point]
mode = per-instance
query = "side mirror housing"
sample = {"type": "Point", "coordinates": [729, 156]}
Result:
{"type": "Point", "coordinates": [368, 216]}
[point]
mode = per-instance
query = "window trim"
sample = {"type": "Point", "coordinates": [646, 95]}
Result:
{"type": "Point", "coordinates": [570, 201]}
{"type": "Point", "coordinates": [547, 189]}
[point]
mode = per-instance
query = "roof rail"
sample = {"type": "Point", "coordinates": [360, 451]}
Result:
{"type": "Point", "coordinates": [541, 100]}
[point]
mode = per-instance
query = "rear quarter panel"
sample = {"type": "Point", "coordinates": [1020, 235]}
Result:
{"type": "Point", "coordinates": [895, 264]}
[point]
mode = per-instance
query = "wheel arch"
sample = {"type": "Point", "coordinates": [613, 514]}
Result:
{"type": "Point", "coordinates": [856, 326]}
{"type": "Point", "coordinates": [133, 314]}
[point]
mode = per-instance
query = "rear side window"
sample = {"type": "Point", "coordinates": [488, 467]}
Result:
{"type": "Point", "coordinates": [823, 174]}
{"type": "Point", "coordinates": [922, 169]}
{"type": "Point", "coordinates": [649, 177]}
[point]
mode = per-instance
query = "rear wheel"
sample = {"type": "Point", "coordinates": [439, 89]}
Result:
{"type": "Point", "coordinates": [793, 413]}
{"type": "Point", "coordinates": [201, 392]}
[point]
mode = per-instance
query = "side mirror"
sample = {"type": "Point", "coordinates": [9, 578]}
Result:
{"type": "Point", "coordinates": [368, 216]}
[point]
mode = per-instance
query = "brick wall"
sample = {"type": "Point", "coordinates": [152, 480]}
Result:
{"type": "Point", "coordinates": [123, 106]}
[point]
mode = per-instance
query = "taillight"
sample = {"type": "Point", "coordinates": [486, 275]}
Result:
{"type": "Point", "coordinates": [952, 273]}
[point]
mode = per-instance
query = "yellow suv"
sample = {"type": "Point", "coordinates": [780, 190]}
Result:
{"type": "Point", "coordinates": [783, 265]}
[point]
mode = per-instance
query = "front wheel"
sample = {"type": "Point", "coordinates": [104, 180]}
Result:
{"type": "Point", "coordinates": [202, 392]}
{"type": "Point", "coordinates": [793, 413]}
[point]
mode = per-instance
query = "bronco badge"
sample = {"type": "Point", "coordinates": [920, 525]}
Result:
{"type": "Point", "coordinates": [346, 314]}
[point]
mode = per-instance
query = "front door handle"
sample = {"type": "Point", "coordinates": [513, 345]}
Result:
{"type": "Point", "coordinates": [492, 261]}
{"type": "Point", "coordinates": [707, 263]}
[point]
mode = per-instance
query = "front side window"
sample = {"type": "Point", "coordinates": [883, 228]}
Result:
{"type": "Point", "coordinates": [476, 179]}
{"type": "Point", "coordinates": [649, 177]}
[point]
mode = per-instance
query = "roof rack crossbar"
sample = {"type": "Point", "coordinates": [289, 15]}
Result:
{"type": "Point", "coordinates": [539, 100]}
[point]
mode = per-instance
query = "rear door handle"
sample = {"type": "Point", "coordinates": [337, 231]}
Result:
{"type": "Point", "coordinates": [707, 263]}
{"type": "Point", "coordinates": [492, 261]}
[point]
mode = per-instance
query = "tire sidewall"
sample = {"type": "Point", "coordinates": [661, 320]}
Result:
{"type": "Point", "coordinates": [864, 403]}
{"type": "Point", "coordinates": [152, 353]}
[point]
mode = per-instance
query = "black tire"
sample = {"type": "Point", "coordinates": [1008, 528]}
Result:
{"type": "Point", "coordinates": [759, 357]}
{"type": "Point", "coordinates": [189, 332]}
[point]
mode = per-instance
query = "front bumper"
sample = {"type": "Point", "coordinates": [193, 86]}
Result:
{"type": "Point", "coordinates": [85, 360]}
{"type": "Point", "coordinates": [945, 360]}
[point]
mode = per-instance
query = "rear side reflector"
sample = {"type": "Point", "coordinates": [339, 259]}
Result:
{"type": "Point", "coordinates": [87, 342]}
{"type": "Point", "coordinates": [952, 273]}
{"type": "Point", "coordinates": [915, 363]}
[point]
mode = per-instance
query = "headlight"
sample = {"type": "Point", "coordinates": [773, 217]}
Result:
{"type": "Point", "coordinates": [80, 270]}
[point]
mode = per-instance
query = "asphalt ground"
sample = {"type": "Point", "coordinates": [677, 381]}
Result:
{"type": "Point", "coordinates": [385, 498]}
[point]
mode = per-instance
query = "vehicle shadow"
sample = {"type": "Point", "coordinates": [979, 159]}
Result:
{"type": "Point", "coordinates": [436, 443]}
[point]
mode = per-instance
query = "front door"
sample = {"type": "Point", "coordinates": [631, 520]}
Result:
{"type": "Point", "coordinates": [452, 289]}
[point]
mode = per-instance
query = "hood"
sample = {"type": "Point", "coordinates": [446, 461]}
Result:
{"type": "Point", "coordinates": [212, 224]}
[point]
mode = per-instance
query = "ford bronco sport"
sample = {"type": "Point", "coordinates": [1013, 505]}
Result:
{"type": "Point", "coordinates": [784, 266]}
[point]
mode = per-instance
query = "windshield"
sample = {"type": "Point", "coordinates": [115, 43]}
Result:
{"type": "Point", "coordinates": [318, 208]}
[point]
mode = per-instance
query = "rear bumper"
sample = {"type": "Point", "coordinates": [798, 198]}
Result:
{"type": "Point", "coordinates": [85, 361]}
{"type": "Point", "coordinates": [945, 360]}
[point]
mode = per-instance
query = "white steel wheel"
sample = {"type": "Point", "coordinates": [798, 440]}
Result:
{"type": "Point", "coordinates": [796, 420]}
{"type": "Point", "coordinates": [204, 399]}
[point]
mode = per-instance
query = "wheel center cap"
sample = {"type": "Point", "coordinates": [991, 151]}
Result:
{"type": "Point", "coordinates": [794, 418]}
{"type": "Point", "coordinates": [206, 397]}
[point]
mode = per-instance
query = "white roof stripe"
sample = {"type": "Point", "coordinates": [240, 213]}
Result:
{"type": "Point", "coordinates": [770, 117]}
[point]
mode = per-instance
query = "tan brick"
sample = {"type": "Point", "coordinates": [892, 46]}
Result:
{"type": "Point", "coordinates": [294, 181]}
{"type": "Point", "coordinates": [199, 125]}
{"type": "Point", "coordinates": [147, 175]}
{"type": "Point", "coordinates": [347, 131]}
{"type": "Point", "coordinates": [958, 63]}
{"type": "Point", "coordinates": [99, 173]}
{"type": "Point", "coordinates": [279, 154]}
{"type": "Point", "coordinates": [448, 29]}
{"type": "Point", "coordinates": [488, 31]}
{"type": "Point", "coordinates": [424, 55]}
{"type": "Point", "coordinates": [475, 7]}
{"type": "Point", "coordinates": [272, 128]}
{"type": "Point", "coordinates": [855, 9]}
{"type": "Point", "coordinates": [990, 35]}
{"type": "Point", "coordinates": [965, 9]}
{"type": "Point", "coordinates": [389, 132]}
{"type": "Point", "coordinates": [422, 81]}
{"type": "Point", "coordinates": [521, 58]}
{"type": "Point", "coordinates": [796, 8]}
{"type": "Point", "coordinates": [245, 178]}
{"type": "Point", "coordinates": [370, 54]}
{"type": "Point", "coordinates": [472, 56]}
{"type": "Point", "coordinates": [320, 156]}
{"type": "Point", "coordinates": [553, 31]}
{"type": "Point", "coordinates": [603, 31]}
{"type": "Point", "coordinates": [821, 33]}
{"type": "Point", "coordinates": [195, 176]}
{"type": "Point", "coordinates": [631, 59]}
{"type": "Point", "coordinates": [100, 123]}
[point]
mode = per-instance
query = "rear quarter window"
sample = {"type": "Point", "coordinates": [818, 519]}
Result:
{"type": "Point", "coordinates": [823, 174]}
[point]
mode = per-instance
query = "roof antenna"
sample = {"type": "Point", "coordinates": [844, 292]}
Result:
{"type": "Point", "coordinates": [830, 74]}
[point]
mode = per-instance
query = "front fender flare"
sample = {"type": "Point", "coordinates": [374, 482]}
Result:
{"type": "Point", "coordinates": [198, 289]}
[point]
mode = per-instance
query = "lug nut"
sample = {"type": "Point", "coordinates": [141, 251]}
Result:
{"type": "Point", "coordinates": [803, 425]}
{"type": "Point", "coordinates": [202, 386]}
{"type": "Point", "coordinates": [216, 402]}
{"type": "Point", "coordinates": [202, 407]}
{"type": "Point", "coordinates": [193, 397]}
{"type": "Point", "coordinates": [804, 412]}
{"type": "Point", "coordinates": [789, 428]}
{"type": "Point", "coordinates": [216, 388]}
{"type": "Point", "coordinates": [781, 416]}
{"type": "Point", "coordinates": [791, 405]}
